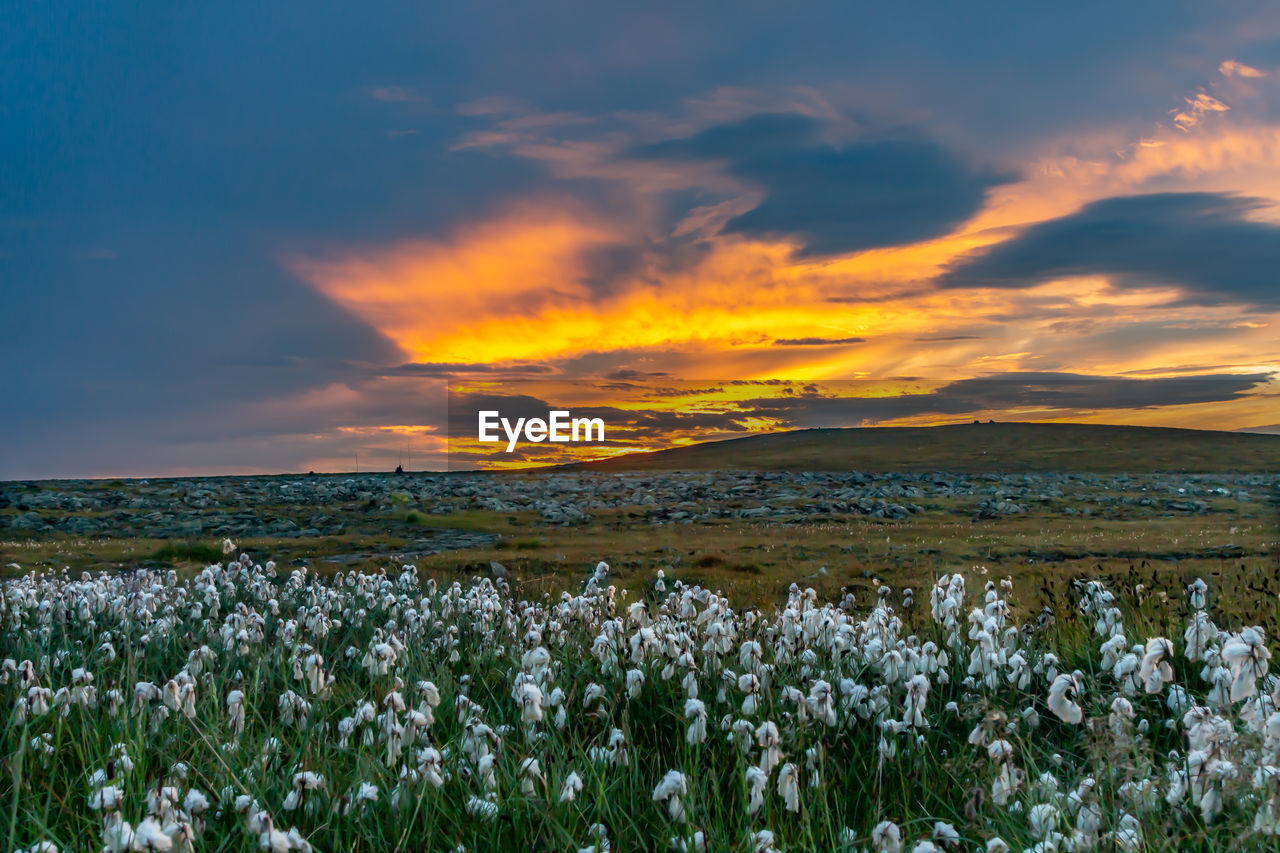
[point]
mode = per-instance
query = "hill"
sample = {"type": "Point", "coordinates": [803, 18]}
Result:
{"type": "Point", "coordinates": [971, 447]}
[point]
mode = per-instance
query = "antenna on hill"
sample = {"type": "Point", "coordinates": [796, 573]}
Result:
{"type": "Point", "coordinates": [357, 461]}
{"type": "Point", "coordinates": [408, 450]}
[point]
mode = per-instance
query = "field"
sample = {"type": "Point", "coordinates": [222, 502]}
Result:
{"type": "Point", "coordinates": [892, 659]}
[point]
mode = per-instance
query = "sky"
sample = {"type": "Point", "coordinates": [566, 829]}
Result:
{"type": "Point", "coordinates": [245, 237]}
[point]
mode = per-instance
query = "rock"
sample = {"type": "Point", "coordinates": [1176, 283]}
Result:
{"type": "Point", "coordinates": [30, 521]}
{"type": "Point", "coordinates": [998, 509]}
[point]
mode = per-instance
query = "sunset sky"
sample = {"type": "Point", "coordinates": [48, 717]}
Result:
{"type": "Point", "coordinates": [243, 237]}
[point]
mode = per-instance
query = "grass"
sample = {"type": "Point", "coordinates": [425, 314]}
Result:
{"type": "Point", "coordinates": [519, 544]}
{"type": "Point", "coordinates": [51, 756]}
{"type": "Point", "coordinates": [477, 520]}
{"type": "Point", "coordinates": [754, 561]}
{"type": "Point", "coordinates": [202, 553]}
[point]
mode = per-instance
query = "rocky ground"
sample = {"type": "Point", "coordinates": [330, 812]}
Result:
{"type": "Point", "coordinates": [742, 531]}
{"type": "Point", "coordinates": [329, 505]}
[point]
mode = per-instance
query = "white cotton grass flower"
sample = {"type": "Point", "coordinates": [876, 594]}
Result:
{"type": "Point", "coordinates": [757, 780]}
{"type": "Point", "coordinates": [106, 799]}
{"type": "Point", "coordinates": [1000, 750]}
{"type": "Point", "coordinates": [695, 843]}
{"type": "Point", "coordinates": [571, 788]}
{"type": "Point", "coordinates": [1156, 670]}
{"type": "Point", "coordinates": [1196, 594]}
{"type": "Point", "coordinates": [886, 837]}
{"type": "Point", "coordinates": [696, 711]}
{"type": "Point", "coordinates": [1267, 820]}
{"type": "Point", "coordinates": [1128, 835]}
{"type": "Point", "coordinates": [945, 832]}
{"type": "Point", "coordinates": [635, 682]}
{"type": "Point", "coordinates": [304, 782]}
{"type": "Point", "coordinates": [484, 809]}
{"type": "Point", "coordinates": [1006, 783]}
{"type": "Point", "coordinates": [789, 787]}
{"type": "Point", "coordinates": [430, 764]}
{"type": "Point", "coordinates": [162, 800]}
{"type": "Point", "coordinates": [318, 681]}
{"type": "Point", "coordinates": [1245, 656]}
{"type": "Point", "coordinates": [118, 837]}
{"type": "Point", "coordinates": [530, 698]}
{"type": "Point", "coordinates": [767, 738]}
{"type": "Point", "coordinates": [379, 659]}
{"type": "Point", "coordinates": [530, 776]}
{"type": "Point", "coordinates": [594, 693]}
{"type": "Point", "coordinates": [764, 841]}
{"type": "Point", "coordinates": [1200, 636]}
{"type": "Point", "coordinates": [1064, 696]}
{"type": "Point", "coordinates": [149, 835]}
{"type": "Point", "coordinates": [1044, 819]}
{"type": "Point", "coordinates": [1121, 718]}
{"type": "Point", "coordinates": [671, 791]}
{"type": "Point", "coordinates": [749, 684]}
{"type": "Point", "coordinates": [917, 694]}
{"type": "Point", "coordinates": [600, 840]}
{"type": "Point", "coordinates": [235, 711]}
{"type": "Point", "coordinates": [821, 702]}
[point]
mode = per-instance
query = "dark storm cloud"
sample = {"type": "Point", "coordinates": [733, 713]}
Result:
{"type": "Point", "coordinates": [1200, 242]}
{"type": "Point", "coordinates": [464, 409]}
{"type": "Point", "coordinates": [1063, 391]}
{"type": "Point", "coordinates": [630, 373]}
{"type": "Point", "coordinates": [446, 370]}
{"type": "Point", "coordinates": [180, 326]}
{"type": "Point", "coordinates": [838, 198]}
{"type": "Point", "coordinates": [609, 269]}
{"type": "Point", "coordinates": [686, 391]}
{"type": "Point", "coordinates": [1072, 391]}
{"type": "Point", "coordinates": [815, 342]}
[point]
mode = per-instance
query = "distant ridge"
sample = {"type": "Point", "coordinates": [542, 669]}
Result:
{"type": "Point", "coordinates": [979, 447]}
{"type": "Point", "coordinates": [1269, 429]}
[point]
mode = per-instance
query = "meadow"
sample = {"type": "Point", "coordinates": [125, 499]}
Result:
{"type": "Point", "coordinates": [251, 707]}
{"type": "Point", "coordinates": [586, 661]}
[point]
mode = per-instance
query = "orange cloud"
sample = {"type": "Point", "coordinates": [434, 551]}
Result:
{"type": "Point", "coordinates": [1232, 68]}
{"type": "Point", "coordinates": [420, 294]}
{"type": "Point", "coordinates": [1198, 106]}
{"type": "Point", "coordinates": [519, 286]}
{"type": "Point", "coordinates": [513, 290]}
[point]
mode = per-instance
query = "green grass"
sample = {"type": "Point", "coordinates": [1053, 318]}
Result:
{"type": "Point", "coordinates": [202, 553]}
{"type": "Point", "coordinates": [482, 521]}
{"type": "Point", "coordinates": [519, 544]}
